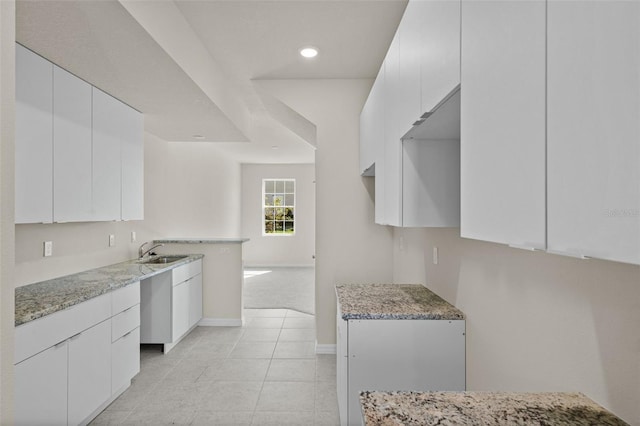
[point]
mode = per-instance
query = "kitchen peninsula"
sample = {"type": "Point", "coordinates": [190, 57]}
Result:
{"type": "Point", "coordinates": [222, 276]}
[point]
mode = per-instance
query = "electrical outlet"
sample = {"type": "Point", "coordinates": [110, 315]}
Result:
{"type": "Point", "coordinates": [112, 240]}
{"type": "Point", "coordinates": [225, 250]}
{"type": "Point", "coordinates": [435, 255]}
{"type": "Point", "coordinates": [133, 237]}
{"type": "Point", "coordinates": [48, 248]}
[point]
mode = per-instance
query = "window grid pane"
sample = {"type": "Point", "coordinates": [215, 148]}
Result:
{"type": "Point", "coordinates": [278, 207]}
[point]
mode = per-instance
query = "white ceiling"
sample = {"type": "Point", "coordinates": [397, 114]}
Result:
{"type": "Point", "coordinates": [190, 66]}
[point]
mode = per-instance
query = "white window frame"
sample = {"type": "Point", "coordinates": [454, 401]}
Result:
{"type": "Point", "coordinates": [264, 207]}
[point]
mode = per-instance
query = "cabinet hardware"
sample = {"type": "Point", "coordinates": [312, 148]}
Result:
{"type": "Point", "coordinates": [569, 254]}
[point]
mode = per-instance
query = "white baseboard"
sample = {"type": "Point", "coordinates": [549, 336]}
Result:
{"type": "Point", "coordinates": [220, 322]}
{"type": "Point", "coordinates": [305, 265]}
{"type": "Point", "coordinates": [325, 349]}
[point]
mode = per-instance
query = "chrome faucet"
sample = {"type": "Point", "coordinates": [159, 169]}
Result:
{"type": "Point", "coordinates": [142, 253]}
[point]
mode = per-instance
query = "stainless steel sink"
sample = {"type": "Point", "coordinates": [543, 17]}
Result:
{"type": "Point", "coordinates": [163, 259]}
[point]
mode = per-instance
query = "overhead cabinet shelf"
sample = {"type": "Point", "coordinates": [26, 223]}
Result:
{"type": "Point", "coordinates": [441, 123]}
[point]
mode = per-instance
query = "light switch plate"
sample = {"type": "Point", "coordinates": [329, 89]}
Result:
{"type": "Point", "coordinates": [435, 255]}
{"type": "Point", "coordinates": [48, 248]}
{"type": "Point", "coordinates": [112, 240]}
{"type": "Point", "coordinates": [133, 237]}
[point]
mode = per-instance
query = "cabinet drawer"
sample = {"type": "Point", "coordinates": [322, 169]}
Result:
{"type": "Point", "coordinates": [125, 359]}
{"type": "Point", "coordinates": [184, 272]}
{"type": "Point", "coordinates": [125, 297]}
{"type": "Point", "coordinates": [40, 334]}
{"type": "Point", "coordinates": [124, 322]}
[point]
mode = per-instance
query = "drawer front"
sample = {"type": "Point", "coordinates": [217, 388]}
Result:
{"type": "Point", "coordinates": [124, 322]}
{"type": "Point", "coordinates": [40, 334]}
{"type": "Point", "coordinates": [184, 272]}
{"type": "Point", "coordinates": [125, 297]}
{"type": "Point", "coordinates": [125, 359]}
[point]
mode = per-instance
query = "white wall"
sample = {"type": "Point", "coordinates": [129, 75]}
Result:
{"type": "Point", "coordinates": [194, 190]}
{"type": "Point", "coordinates": [535, 321]}
{"type": "Point", "coordinates": [278, 250]}
{"type": "Point", "coordinates": [7, 120]}
{"type": "Point", "coordinates": [191, 189]}
{"type": "Point", "coordinates": [350, 248]}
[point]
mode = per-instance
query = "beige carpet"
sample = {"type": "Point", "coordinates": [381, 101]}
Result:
{"type": "Point", "coordinates": [280, 287]}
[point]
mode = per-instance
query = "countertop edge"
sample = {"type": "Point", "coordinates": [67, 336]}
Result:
{"type": "Point", "coordinates": [441, 310]}
{"type": "Point", "coordinates": [201, 240]}
{"type": "Point", "coordinates": [480, 407]}
{"type": "Point", "coordinates": [114, 284]}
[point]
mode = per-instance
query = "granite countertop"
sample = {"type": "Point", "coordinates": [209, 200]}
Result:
{"type": "Point", "coordinates": [37, 300]}
{"type": "Point", "coordinates": [393, 301]}
{"type": "Point", "coordinates": [201, 240]}
{"type": "Point", "coordinates": [482, 408]}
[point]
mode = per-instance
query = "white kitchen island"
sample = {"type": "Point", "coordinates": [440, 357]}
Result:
{"type": "Point", "coordinates": [395, 337]}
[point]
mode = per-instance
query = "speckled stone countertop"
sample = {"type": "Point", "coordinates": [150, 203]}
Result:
{"type": "Point", "coordinates": [482, 408]}
{"type": "Point", "coordinates": [393, 301]}
{"type": "Point", "coordinates": [201, 240]}
{"type": "Point", "coordinates": [37, 300]}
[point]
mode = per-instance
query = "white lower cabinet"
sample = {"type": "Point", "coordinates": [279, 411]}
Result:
{"type": "Point", "coordinates": [125, 359]}
{"type": "Point", "coordinates": [125, 336]}
{"type": "Point", "coordinates": [97, 355]}
{"type": "Point", "coordinates": [41, 388]}
{"type": "Point", "coordinates": [195, 300]}
{"type": "Point", "coordinates": [421, 355]}
{"type": "Point", "coordinates": [180, 308]}
{"type": "Point", "coordinates": [89, 371]}
{"type": "Point", "coordinates": [171, 305]}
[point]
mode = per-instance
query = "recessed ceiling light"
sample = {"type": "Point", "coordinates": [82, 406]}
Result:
{"type": "Point", "coordinates": [199, 137]}
{"type": "Point", "coordinates": [309, 52]}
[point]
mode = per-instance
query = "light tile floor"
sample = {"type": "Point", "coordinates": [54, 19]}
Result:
{"type": "Point", "coordinates": [265, 373]}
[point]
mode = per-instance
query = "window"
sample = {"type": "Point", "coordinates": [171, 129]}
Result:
{"type": "Point", "coordinates": [278, 208]}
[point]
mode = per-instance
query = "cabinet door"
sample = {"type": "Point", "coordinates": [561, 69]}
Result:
{"type": "Point", "coordinates": [379, 150]}
{"type": "Point", "coordinates": [392, 134]}
{"type": "Point", "coordinates": [503, 122]}
{"type": "Point", "coordinates": [125, 359]}
{"type": "Point", "coordinates": [195, 300]}
{"type": "Point", "coordinates": [372, 127]}
{"type": "Point", "coordinates": [440, 49]}
{"type": "Point", "coordinates": [179, 310]}
{"type": "Point", "coordinates": [421, 355]}
{"type": "Point", "coordinates": [71, 148]}
{"type": "Point", "coordinates": [89, 371]}
{"type": "Point", "coordinates": [593, 129]}
{"type": "Point", "coordinates": [132, 129]}
{"type": "Point", "coordinates": [342, 362]}
{"type": "Point", "coordinates": [106, 184]}
{"type": "Point", "coordinates": [34, 138]}
{"type": "Point", "coordinates": [409, 103]}
{"type": "Point", "coordinates": [41, 388]}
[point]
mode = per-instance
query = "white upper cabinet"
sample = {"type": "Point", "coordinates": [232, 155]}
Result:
{"type": "Point", "coordinates": [420, 70]}
{"type": "Point", "coordinates": [410, 54]}
{"type": "Point", "coordinates": [392, 134]}
{"type": "Point", "coordinates": [34, 138]}
{"type": "Point", "coordinates": [372, 126]}
{"type": "Point", "coordinates": [440, 50]}
{"type": "Point", "coordinates": [107, 116]}
{"type": "Point", "coordinates": [503, 122]}
{"type": "Point", "coordinates": [132, 165]}
{"type": "Point", "coordinates": [71, 148]}
{"type": "Point", "coordinates": [594, 129]}
{"type": "Point", "coordinates": [79, 152]}
{"type": "Point", "coordinates": [378, 147]}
